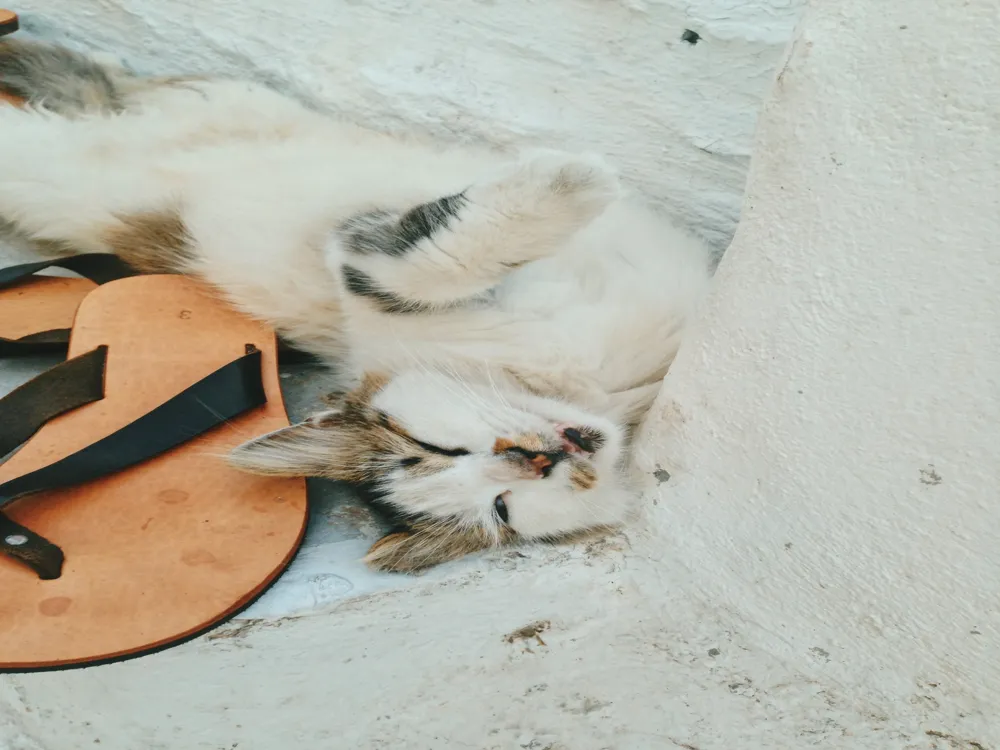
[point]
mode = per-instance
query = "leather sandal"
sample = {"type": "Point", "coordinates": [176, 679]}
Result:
{"type": "Point", "coordinates": [122, 529]}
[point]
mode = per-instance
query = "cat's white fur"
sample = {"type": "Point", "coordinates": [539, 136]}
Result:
{"type": "Point", "coordinates": [550, 299]}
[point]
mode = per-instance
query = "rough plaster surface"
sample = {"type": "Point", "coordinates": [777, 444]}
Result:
{"type": "Point", "coordinates": [819, 565]}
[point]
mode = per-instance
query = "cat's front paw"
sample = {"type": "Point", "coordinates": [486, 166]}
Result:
{"type": "Point", "coordinates": [588, 183]}
{"type": "Point", "coordinates": [565, 190]}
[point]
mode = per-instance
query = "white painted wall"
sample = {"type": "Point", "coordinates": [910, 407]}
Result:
{"type": "Point", "coordinates": [822, 567]}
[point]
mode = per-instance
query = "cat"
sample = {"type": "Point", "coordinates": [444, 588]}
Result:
{"type": "Point", "coordinates": [499, 320]}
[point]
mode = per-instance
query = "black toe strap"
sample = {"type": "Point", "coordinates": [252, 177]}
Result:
{"type": "Point", "coordinates": [66, 386]}
{"type": "Point", "coordinates": [98, 267]}
{"type": "Point", "coordinates": [54, 341]}
{"type": "Point", "coordinates": [228, 392]}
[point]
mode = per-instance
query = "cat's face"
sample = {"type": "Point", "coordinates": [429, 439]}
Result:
{"type": "Point", "coordinates": [457, 467]}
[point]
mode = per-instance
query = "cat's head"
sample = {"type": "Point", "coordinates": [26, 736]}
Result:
{"type": "Point", "coordinates": [457, 467]}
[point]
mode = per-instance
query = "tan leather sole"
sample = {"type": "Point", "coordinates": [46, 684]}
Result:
{"type": "Point", "coordinates": [166, 549]}
{"type": "Point", "coordinates": [42, 303]}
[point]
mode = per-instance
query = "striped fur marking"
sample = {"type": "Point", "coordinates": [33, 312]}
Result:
{"type": "Point", "coordinates": [388, 233]}
{"type": "Point", "coordinates": [361, 284]}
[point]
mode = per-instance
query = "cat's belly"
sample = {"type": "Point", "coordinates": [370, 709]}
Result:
{"type": "Point", "coordinates": [287, 287]}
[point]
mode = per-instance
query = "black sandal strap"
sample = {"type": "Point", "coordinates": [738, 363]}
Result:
{"type": "Point", "coordinates": [32, 549]}
{"type": "Point", "coordinates": [228, 392]}
{"type": "Point", "coordinates": [98, 267]}
{"type": "Point", "coordinates": [9, 26]}
{"type": "Point", "coordinates": [55, 341]}
{"type": "Point", "coordinates": [66, 386]}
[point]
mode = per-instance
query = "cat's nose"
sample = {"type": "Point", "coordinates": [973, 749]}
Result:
{"type": "Point", "coordinates": [536, 462]}
{"type": "Point", "coordinates": [543, 463]}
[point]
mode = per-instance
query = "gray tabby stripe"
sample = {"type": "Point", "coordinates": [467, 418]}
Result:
{"type": "Point", "coordinates": [362, 285]}
{"type": "Point", "coordinates": [390, 234]}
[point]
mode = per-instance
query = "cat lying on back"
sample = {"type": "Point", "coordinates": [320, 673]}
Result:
{"type": "Point", "coordinates": [500, 321]}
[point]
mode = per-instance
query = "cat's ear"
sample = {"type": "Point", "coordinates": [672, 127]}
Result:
{"type": "Point", "coordinates": [410, 551]}
{"type": "Point", "coordinates": [318, 447]}
{"type": "Point", "coordinates": [333, 444]}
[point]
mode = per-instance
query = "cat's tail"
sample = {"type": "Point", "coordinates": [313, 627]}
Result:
{"type": "Point", "coordinates": [60, 80]}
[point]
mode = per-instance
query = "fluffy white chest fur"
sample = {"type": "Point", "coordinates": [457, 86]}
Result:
{"type": "Point", "coordinates": [497, 320]}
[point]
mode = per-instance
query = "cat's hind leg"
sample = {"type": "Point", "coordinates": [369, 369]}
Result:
{"type": "Point", "coordinates": [88, 185]}
{"type": "Point", "coordinates": [460, 246]}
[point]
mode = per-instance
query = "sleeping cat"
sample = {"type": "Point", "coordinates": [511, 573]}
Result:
{"type": "Point", "coordinates": [499, 321]}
